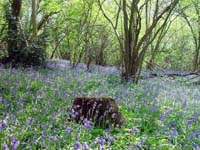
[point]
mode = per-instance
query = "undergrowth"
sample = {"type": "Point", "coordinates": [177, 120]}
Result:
{"type": "Point", "coordinates": [35, 104]}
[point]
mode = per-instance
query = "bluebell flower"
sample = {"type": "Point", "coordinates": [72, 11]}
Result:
{"type": "Point", "coordinates": [195, 116]}
{"type": "Point", "coordinates": [3, 125]}
{"type": "Point", "coordinates": [154, 108]}
{"type": "Point", "coordinates": [173, 133]}
{"type": "Point", "coordinates": [131, 147]}
{"type": "Point", "coordinates": [85, 146]}
{"type": "Point", "coordinates": [69, 130]}
{"type": "Point", "coordinates": [196, 146]}
{"type": "Point", "coordinates": [52, 138]}
{"type": "Point", "coordinates": [189, 122]}
{"type": "Point", "coordinates": [77, 145]}
{"type": "Point", "coordinates": [184, 104]}
{"type": "Point", "coordinates": [111, 139]}
{"type": "Point", "coordinates": [5, 146]}
{"type": "Point", "coordinates": [192, 136]}
{"type": "Point", "coordinates": [133, 130]}
{"type": "Point", "coordinates": [14, 144]}
{"type": "Point", "coordinates": [138, 144]}
{"type": "Point", "coordinates": [101, 142]}
{"type": "Point", "coordinates": [87, 124]}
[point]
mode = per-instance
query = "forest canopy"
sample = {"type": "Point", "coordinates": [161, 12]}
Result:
{"type": "Point", "coordinates": [131, 34]}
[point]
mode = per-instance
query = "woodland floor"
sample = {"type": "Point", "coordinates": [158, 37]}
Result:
{"type": "Point", "coordinates": [160, 112]}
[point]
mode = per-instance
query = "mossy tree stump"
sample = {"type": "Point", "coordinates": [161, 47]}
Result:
{"type": "Point", "coordinates": [103, 112]}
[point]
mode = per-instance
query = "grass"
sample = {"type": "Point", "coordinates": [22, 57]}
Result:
{"type": "Point", "coordinates": [34, 107]}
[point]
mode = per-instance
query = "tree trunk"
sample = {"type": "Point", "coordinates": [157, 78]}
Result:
{"type": "Point", "coordinates": [13, 28]}
{"type": "Point", "coordinates": [197, 58]}
{"type": "Point", "coordinates": [133, 44]}
{"type": "Point", "coordinates": [33, 18]}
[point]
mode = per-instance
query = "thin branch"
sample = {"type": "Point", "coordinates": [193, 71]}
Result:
{"type": "Point", "coordinates": [110, 21]}
{"type": "Point", "coordinates": [155, 22]}
{"type": "Point", "coordinates": [118, 12]}
{"type": "Point", "coordinates": [45, 19]}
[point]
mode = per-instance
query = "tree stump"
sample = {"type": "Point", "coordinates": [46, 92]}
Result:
{"type": "Point", "coordinates": [103, 112]}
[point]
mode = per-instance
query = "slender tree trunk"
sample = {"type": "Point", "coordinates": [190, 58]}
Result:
{"type": "Point", "coordinates": [33, 18]}
{"type": "Point", "coordinates": [197, 63]}
{"type": "Point", "coordinates": [196, 36]}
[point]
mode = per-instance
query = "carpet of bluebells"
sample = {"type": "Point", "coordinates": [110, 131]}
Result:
{"type": "Point", "coordinates": [160, 113]}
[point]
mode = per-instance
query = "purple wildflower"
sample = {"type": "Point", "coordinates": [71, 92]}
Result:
{"type": "Point", "coordinates": [131, 147]}
{"type": "Point", "coordinates": [102, 142]}
{"type": "Point", "coordinates": [133, 130]}
{"type": "Point", "coordinates": [1, 67]}
{"type": "Point", "coordinates": [87, 124]}
{"type": "Point", "coordinates": [77, 145]}
{"type": "Point", "coordinates": [85, 146]}
{"type": "Point", "coordinates": [162, 117]}
{"type": "Point", "coordinates": [5, 146]}
{"type": "Point", "coordinates": [154, 108]}
{"type": "Point", "coordinates": [169, 112]}
{"type": "Point", "coordinates": [111, 139]}
{"type": "Point", "coordinates": [3, 125]}
{"type": "Point", "coordinates": [106, 135]}
{"type": "Point", "coordinates": [43, 139]}
{"type": "Point", "coordinates": [173, 133]}
{"type": "Point", "coordinates": [195, 116]}
{"type": "Point", "coordinates": [138, 144]}
{"type": "Point", "coordinates": [105, 113]}
{"type": "Point", "coordinates": [192, 136]}
{"type": "Point", "coordinates": [166, 113]}
{"type": "Point", "coordinates": [76, 113]}
{"type": "Point", "coordinates": [196, 146]}
{"type": "Point", "coordinates": [113, 115]}
{"type": "Point", "coordinates": [52, 138]}
{"type": "Point", "coordinates": [184, 104]}
{"type": "Point", "coordinates": [189, 122]}
{"type": "Point", "coordinates": [14, 144]}
{"type": "Point", "coordinates": [69, 130]}
{"type": "Point", "coordinates": [94, 105]}
{"type": "Point", "coordinates": [77, 106]}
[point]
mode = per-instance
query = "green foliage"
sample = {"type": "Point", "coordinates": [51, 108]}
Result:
{"type": "Point", "coordinates": [52, 5]}
{"type": "Point", "coordinates": [77, 30]}
{"type": "Point", "coordinates": [32, 54]}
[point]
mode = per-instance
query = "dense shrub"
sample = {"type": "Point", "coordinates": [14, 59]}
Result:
{"type": "Point", "coordinates": [34, 54]}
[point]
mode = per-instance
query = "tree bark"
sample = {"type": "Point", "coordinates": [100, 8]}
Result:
{"type": "Point", "coordinates": [195, 35]}
{"type": "Point", "coordinates": [13, 28]}
{"type": "Point", "coordinates": [33, 18]}
{"type": "Point", "coordinates": [135, 47]}
{"type": "Point", "coordinates": [133, 44]}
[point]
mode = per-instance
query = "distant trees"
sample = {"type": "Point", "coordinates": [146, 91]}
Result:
{"type": "Point", "coordinates": [114, 32]}
{"type": "Point", "coordinates": [157, 46]}
{"type": "Point", "coordinates": [134, 42]}
{"type": "Point", "coordinates": [80, 35]}
{"type": "Point", "coordinates": [192, 17]}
